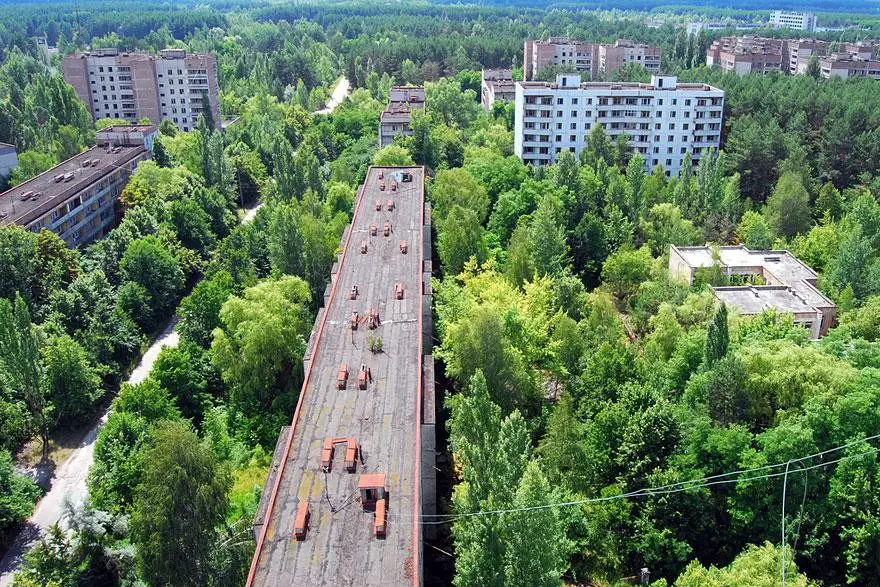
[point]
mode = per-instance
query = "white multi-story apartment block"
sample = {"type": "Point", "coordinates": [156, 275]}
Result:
{"type": "Point", "coordinates": [664, 120]}
{"type": "Point", "coordinates": [131, 86]}
{"type": "Point", "coordinates": [794, 20]}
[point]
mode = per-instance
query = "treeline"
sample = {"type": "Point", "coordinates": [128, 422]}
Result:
{"type": "Point", "coordinates": [829, 124]}
{"type": "Point", "coordinates": [582, 371]}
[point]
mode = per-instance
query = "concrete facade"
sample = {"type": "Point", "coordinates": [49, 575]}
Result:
{"type": "Point", "coordinates": [496, 84]}
{"type": "Point", "coordinates": [392, 418]}
{"type": "Point", "coordinates": [396, 118]}
{"type": "Point", "coordinates": [131, 86]}
{"type": "Point", "coordinates": [664, 120]}
{"type": "Point", "coordinates": [8, 159]}
{"type": "Point", "coordinates": [588, 59]}
{"type": "Point", "coordinates": [747, 54]}
{"type": "Point", "coordinates": [624, 52]}
{"type": "Point", "coordinates": [786, 284]}
{"type": "Point", "coordinates": [77, 199]}
{"type": "Point", "coordinates": [793, 20]}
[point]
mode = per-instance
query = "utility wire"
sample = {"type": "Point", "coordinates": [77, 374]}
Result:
{"type": "Point", "coordinates": [662, 490]}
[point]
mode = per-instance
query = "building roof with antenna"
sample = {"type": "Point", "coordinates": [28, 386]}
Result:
{"type": "Point", "coordinates": [35, 197]}
{"type": "Point", "coordinates": [384, 419]}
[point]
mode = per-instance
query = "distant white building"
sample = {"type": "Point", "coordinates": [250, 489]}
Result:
{"type": "Point", "coordinates": [793, 20]}
{"type": "Point", "coordinates": [664, 120]}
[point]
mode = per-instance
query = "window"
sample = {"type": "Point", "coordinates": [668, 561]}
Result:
{"type": "Point", "coordinates": [559, 113]}
{"type": "Point", "coordinates": [559, 100]}
{"type": "Point", "coordinates": [574, 101]}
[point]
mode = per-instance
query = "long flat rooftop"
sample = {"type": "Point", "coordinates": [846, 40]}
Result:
{"type": "Point", "coordinates": [46, 193]}
{"type": "Point", "coordinates": [339, 547]}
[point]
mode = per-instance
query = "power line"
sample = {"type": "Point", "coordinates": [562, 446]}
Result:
{"type": "Point", "coordinates": [661, 490]}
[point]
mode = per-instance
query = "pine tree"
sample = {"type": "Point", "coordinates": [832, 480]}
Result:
{"type": "Point", "coordinates": [717, 336]}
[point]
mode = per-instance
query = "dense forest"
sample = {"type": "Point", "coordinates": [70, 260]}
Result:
{"type": "Point", "coordinates": [629, 416]}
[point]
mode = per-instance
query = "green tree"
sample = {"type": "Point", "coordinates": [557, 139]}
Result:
{"type": "Point", "coordinates": [717, 337]}
{"type": "Point", "coordinates": [180, 371]}
{"type": "Point", "coordinates": [461, 239]}
{"type": "Point", "coordinates": [71, 383]}
{"type": "Point", "coordinates": [664, 226]}
{"type": "Point", "coordinates": [391, 156]}
{"type": "Point", "coordinates": [625, 269]}
{"type": "Point", "coordinates": [160, 155]}
{"type": "Point", "coordinates": [457, 187]}
{"type": "Point", "coordinates": [200, 311]}
{"type": "Point", "coordinates": [830, 202]}
{"type": "Point", "coordinates": [18, 494]}
{"type": "Point", "coordinates": [788, 208]}
{"type": "Point", "coordinates": [191, 224]}
{"type": "Point", "coordinates": [547, 239]}
{"type": "Point", "coordinates": [148, 263]}
{"type": "Point", "coordinates": [754, 231]}
{"type": "Point", "coordinates": [447, 103]}
{"type": "Point", "coordinates": [20, 364]}
{"type": "Point", "coordinates": [535, 558]}
{"type": "Point", "coordinates": [757, 566]}
{"type": "Point", "coordinates": [259, 348]}
{"type": "Point", "coordinates": [177, 508]}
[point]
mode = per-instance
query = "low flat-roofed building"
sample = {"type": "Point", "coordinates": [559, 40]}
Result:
{"type": "Point", "coordinates": [8, 159]}
{"type": "Point", "coordinates": [78, 199]}
{"type": "Point", "coordinates": [788, 285]}
{"type": "Point", "coordinates": [127, 135]}
{"type": "Point", "coordinates": [496, 84]}
{"type": "Point", "coordinates": [396, 118]}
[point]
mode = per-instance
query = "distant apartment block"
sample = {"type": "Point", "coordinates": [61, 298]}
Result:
{"type": "Point", "coordinates": [751, 54]}
{"type": "Point", "coordinates": [747, 54]}
{"type": "Point", "coordinates": [8, 159]}
{"type": "Point", "coordinates": [854, 60]}
{"type": "Point", "coordinates": [588, 59]}
{"type": "Point", "coordinates": [624, 52]}
{"type": "Point", "coordinates": [694, 28]}
{"type": "Point", "coordinates": [496, 84]}
{"type": "Point", "coordinates": [130, 86]}
{"type": "Point", "coordinates": [793, 20]}
{"type": "Point", "coordinates": [800, 52]}
{"type": "Point", "coordinates": [397, 117]}
{"type": "Point", "coordinates": [664, 120]}
{"type": "Point", "coordinates": [78, 199]}
{"type": "Point", "coordinates": [772, 280]}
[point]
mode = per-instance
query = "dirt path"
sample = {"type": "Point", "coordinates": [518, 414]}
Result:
{"type": "Point", "coordinates": [69, 481]}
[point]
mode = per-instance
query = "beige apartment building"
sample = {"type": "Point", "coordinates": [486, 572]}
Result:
{"type": "Point", "coordinates": [588, 59]}
{"type": "Point", "coordinates": [496, 84]}
{"type": "Point", "coordinates": [747, 54]}
{"type": "Point", "coordinates": [396, 119]}
{"type": "Point", "coordinates": [131, 86]}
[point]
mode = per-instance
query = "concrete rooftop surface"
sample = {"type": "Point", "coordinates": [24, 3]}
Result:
{"type": "Point", "coordinates": [339, 547]}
